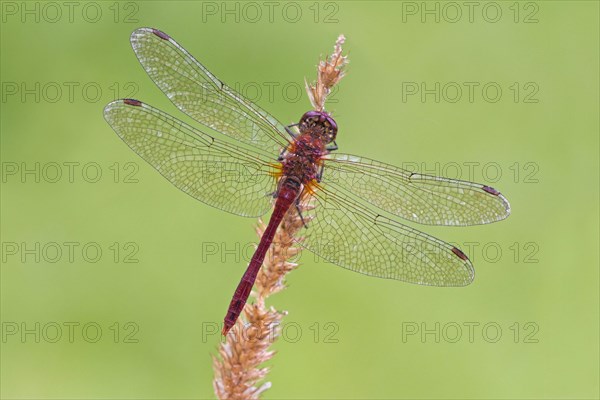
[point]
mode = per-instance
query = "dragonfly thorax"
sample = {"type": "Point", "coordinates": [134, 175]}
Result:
{"type": "Point", "coordinates": [319, 124]}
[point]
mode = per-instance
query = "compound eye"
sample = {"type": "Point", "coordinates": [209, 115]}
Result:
{"type": "Point", "coordinates": [322, 119]}
{"type": "Point", "coordinates": [310, 116]}
{"type": "Point", "coordinates": [332, 127]}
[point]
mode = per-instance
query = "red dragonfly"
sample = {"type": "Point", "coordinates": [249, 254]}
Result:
{"type": "Point", "coordinates": [358, 201]}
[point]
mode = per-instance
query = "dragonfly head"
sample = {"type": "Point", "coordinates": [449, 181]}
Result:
{"type": "Point", "coordinates": [321, 122]}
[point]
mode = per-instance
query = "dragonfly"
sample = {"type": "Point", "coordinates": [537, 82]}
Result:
{"type": "Point", "coordinates": [246, 162]}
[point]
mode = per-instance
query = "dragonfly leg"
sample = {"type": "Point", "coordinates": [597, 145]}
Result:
{"type": "Point", "coordinates": [289, 130]}
{"type": "Point", "coordinates": [300, 213]}
{"type": "Point", "coordinates": [280, 158]}
{"type": "Point", "coordinates": [333, 147]}
{"type": "Point", "coordinates": [320, 174]}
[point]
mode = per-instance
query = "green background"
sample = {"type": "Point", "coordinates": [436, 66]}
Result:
{"type": "Point", "coordinates": [347, 335]}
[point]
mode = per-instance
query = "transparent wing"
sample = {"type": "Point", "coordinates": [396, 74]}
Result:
{"type": "Point", "coordinates": [344, 232]}
{"type": "Point", "coordinates": [208, 169]}
{"type": "Point", "coordinates": [425, 199]}
{"type": "Point", "coordinates": [199, 94]}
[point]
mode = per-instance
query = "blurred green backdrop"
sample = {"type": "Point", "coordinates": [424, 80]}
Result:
{"type": "Point", "coordinates": [77, 324]}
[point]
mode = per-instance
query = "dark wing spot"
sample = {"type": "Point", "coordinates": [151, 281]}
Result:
{"type": "Point", "coordinates": [161, 34]}
{"type": "Point", "coordinates": [490, 190]}
{"type": "Point", "coordinates": [459, 254]}
{"type": "Point", "coordinates": [132, 102]}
